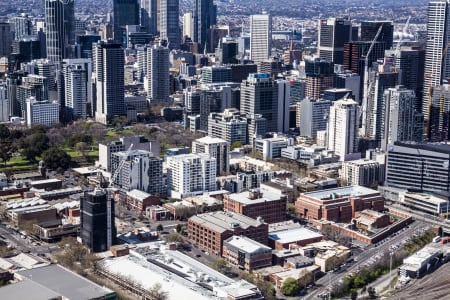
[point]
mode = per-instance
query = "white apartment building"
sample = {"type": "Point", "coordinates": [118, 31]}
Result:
{"type": "Point", "coordinates": [343, 124]}
{"type": "Point", "coordinates": [217, 148]}
{"type": "Point", "coordinates": [362, 172]}
{"type": "Point", "coordinates": [272, 147]}
{"type": "Point", "coordinates": [190, 174]}
{"type": "Point", "coordinates": [42, 112]}
{"type": "Point", "coordinates": [140, 171]}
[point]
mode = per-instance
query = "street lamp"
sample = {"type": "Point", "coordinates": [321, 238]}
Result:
{"type": "Point", "coordinates": [391, 253]}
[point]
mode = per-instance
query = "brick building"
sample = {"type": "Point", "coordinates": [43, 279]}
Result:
{"type": "Point", "coordinates": [139, 200]}
{"type": "Point", "coordinates": [208, 231]}
{"type": "Point", "coordinates": [257, 203]}
{"type": "Point", "coordinates": [369, 220]}
{"type": "Point", "coordinates": [246, 253]}
{"type": "Point", "coordinates": [339, 204]}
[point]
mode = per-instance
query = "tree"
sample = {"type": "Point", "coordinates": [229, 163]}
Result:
{"type": "Point", "coordinates": [159, 228]}
{"type": "Point", "coordinates": [235, 145]}
{"type": "Point", "coordinates": [82, 148]}
{"type": "Point", "coordinates": [290, 287]}
{"type": "Point", "coordinates": [97, 131]}
{"type": "Point", "coordinates": [372, 293]}
{"type": "Point", "coordinates": [34, 145]}
{"type": "Point", "coordinates": [267, 289]}
{"type": "Point", "coordinates": [56, 158]}
{"type": "Point", "coordinates": [179, 228]}
{"type": "Point", "coordinates": [354, 295]}
{"type": "Point", "coordinates": [221, 265]}
{"type": "Point", "coordinates": [174, 237]}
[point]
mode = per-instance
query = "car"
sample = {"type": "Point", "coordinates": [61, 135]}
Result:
{"type": "Point", "coordinates": [198, 255]}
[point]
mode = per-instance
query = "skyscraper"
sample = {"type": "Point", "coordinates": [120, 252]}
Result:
{"type": "Point", "coordinates": [108, 58]}
{"type": "Point", "coordinates": [22, 26]}
{"type": "Point", "coordinates": [149, 16]}
{"type": "Point", "coordinates": [260, 37]}
{"type": "Point", "coordinates": [343, 124]}
{"type": "Point", "coordinates": [59, 28]}
{"type": "Point", "coordinates": [6, 37]}
{"type": "Point", "coordinates": [402, 121]}
{"type": "Point", "coordinates": [437, 58]}
{"type": "Point", "coordinates": [439, 124]}
{"type": "Point", "coordinates": [410, 62]}
{"type": "Point", "coordinates": [333, 33]}
{"type": "Point", "coordinates": [204, 17]}
{"type": "Point", "coordinates": [169, 23]}
{"type": "Point", "coordinates": [126, 12]}
{"type": "Point", "coordinates": [259, 95]}
{"type": "Point", "coordinates": [188, 24]}
{"type": "Point", "coordinates": [98, 230]}
{"type": "Point", "coordinates": [217, 148]}
{"type": "Point", "coordinates": [77, 87]}
{"type": "Point", "coordinates": [369, 30]}
{"type": "Point", "coordinates": [158, 73]}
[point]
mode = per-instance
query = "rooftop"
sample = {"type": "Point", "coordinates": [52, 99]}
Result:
{"type": "Point", "coordinates": [222, 221]}
{"type": "Point", "coordinates": [351, 191]}
{"type": "Point", "coordinates": [64, 282]}
{"type": "Point", "coordinates": [293, 235]}
{"type": "Point", "coordinates": [27, 289]}
{"type": "Point", "coordinates": [210, 140]}
{"type": "Point", "coordinates": [244, 197]}
{"type": "Point", "coordinates": [245, 244]}
{"type": "Point", "coordinates": [140, 195]}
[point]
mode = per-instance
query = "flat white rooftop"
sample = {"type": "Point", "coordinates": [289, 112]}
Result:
{"type": "Point", "coordinates": [353, 191]}
{"type": "Point", "coordinates": [245, 244]}
{"type": "Point", "coordinates": [293, 235]}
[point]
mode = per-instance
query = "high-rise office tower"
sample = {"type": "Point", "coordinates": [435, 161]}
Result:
{"type": "Point", "coordinates": [369, 30]}
{"type": "Point", "coordinates": [343, 124]}
{"type": "Point", "coordinates": [374, 118]}
{"type": "Point", "coordinates": [169, 23]}
{"type": "Point", "coordinates": [4, 102]}
{"type": "Point", "coordinates": [84, 44]}
{"type": "Point", "coordinates": [31, 86]}
{"type": "Point", "coordinates": [108, 58]}
{"type": "Point", "coordinates": [213, 98]}
{"type": "Point", "coordinates": [77, 87]}
{"type": "Point", "coordinates": [6, 38]}
{"type": "Point", "coordinates": [410, 62]}
{"type": "Point", "coordinates": [98, 230]}
{"type": "Point", "coordinates": [188, 25]}
{"type": "Point", "coordinates": [204, 16]}
{"type": "Point", "coordinates": [439, 113]}
{"type": "Point", "coordinates": [333, 33]}
{"type": "Point", "coordinates": [22, 26]}
{"type": "Point", "coordinates": [26, 49]}
{"type": "Point", "coordinates": [158, 73]}
{"type": "Point", "coordinates": [149, 16]}
{"type": "Point", "coordinates": [313, 116]}
{"type": "Point", "coordinates": [260, 37]}
{"type": "Point", "coordinates": [437, 58]}
{"type": "Point", "coordinates": [227, 51]}
{"type": "Point", "coordinates": [59, 28]}
{"type": "Point", "coordinates": [319, 76]}
{"type": "Point", "coordinates": [126, 12]}
{"type": "Point", "coordinates": [260, 95]}
{"type": "Point", "coordinates": [402, 121]}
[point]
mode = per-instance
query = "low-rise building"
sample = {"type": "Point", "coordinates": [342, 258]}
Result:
{"type": "Point", "coordinates": [282, 239]}
{"type": "Point", "coordinates": [139, 200]}
{"type": "Point", "coordinates": [209, 230]}
{"type": "Point", "coordinates": [257, 203]}
{"type": "Point", "coordinates": [370, 220]}
{"type": "Point", "coordinates": [362, 172]}
{"type": "Point", "coordinates": [418, 264]}
{"type": "Point", "coordinates": [271, 147]}
{"type": "Point", "coordinates": [339, 204]}
{"type": "Point", "coordinates": [246, 254]}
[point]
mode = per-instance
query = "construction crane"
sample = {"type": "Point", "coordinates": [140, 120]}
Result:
{"type": "Point", "coordinates": [366, 80]}
{"type": "Point", "coordinates": [119, 167]}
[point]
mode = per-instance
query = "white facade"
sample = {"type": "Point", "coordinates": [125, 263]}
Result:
{"type": "Point", "coordinates": [42, 112]}
{"type": "Point", "coordinates": [400, 122]}
{"type": "Point", "coordinates": [343, 124]}
{"type": "Point", "coordinates": [362, 172]}
{"type": "Point", "coordinates": [437, 62]}
{"type": "Point", "coordinates": [188, 25]}
{"type": "Point", "coordinates": [272, 147]}
{"type": "Point", "coordinates": [260, 37]}
{"type": "Point", "coordinates": [190, 174]}
{"type": "Point", "coordinates": [78, 86]}
{"type": "Point", "coordinates": [217, 148]}
{"type": "Point", "coordinates": [284, 99]}
{"type": "Point", "coordinates": [140, 171]}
